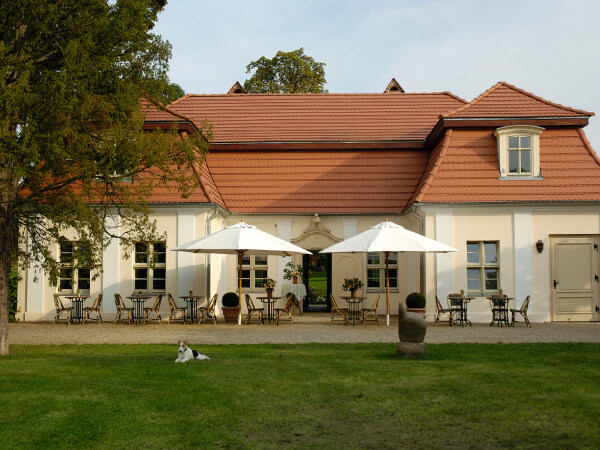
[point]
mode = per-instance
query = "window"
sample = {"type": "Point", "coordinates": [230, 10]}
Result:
{"type": "Point", "coordinates": [519, 151]}
{"type": "Point", "coordinates": [72, 278]}
{"type": "Point", "coordinates": [376, 271]}
{"type": "Point", "coordinates": [150, 266]}
{"type": "Point", "coordinates": [483, 269]}
{"type": "Point", "coordinates": [254, 272]}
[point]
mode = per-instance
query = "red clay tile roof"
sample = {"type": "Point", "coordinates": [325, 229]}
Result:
{"type": "Point", "coordinates": [321, 118]}
{"type": "Point", "coordinates": [377, 181]}
{"type": "Point", "coordinates": [464, 168]}
{"type": "Point", "coordinates": [504, 100]}
{"type": "Point", "coordinates": [157, 112]}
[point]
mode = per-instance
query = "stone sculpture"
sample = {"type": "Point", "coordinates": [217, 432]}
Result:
{"type": "Point", "coordinates": [411, 331]}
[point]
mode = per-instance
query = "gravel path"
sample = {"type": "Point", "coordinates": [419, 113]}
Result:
{"type": "Point", "coordinates": [306, 329]}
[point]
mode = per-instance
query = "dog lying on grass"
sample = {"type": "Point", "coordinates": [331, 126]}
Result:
{"type": "Point", "coordinates": [185, 354]}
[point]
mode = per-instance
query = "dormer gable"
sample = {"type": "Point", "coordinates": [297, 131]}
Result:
{"type": "Point", "coordinates": [237, 88]}
{"type": "Point", "coordinates": [393, 87]}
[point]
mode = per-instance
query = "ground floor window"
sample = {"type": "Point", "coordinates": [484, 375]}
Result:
{"type": "Point", "coordinates": [71, 277]}
{"type": "Point", "coordinates": [376, 271]}
{"type": "Point", "coordinates": [254, 272]}
{"type": "Point", "coordinates": [150, 266]}
{"type": "Point", "coordinates": [483, 266]}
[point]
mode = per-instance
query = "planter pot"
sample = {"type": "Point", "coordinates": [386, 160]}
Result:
{"type": "Point", "coordinates": [270, 293]}
{"type": "Point", "coordinates": [353, 294]}
{"type": "Point", "coordinates": [419, 311]}
{"type": "Point", "coordinates": [295, 279]}
{"type": "Point", "coordinates": [230, 314]}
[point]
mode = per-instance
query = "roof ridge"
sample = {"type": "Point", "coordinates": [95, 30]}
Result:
{"type": "Point", "coordinates": [432, 173]}
{"type": "Point", "coordinates": [177, 100]}
{"type": "Point", "coordinates": [322, 94]}
{"type": "Point", "coordinates": [588, 146]}
{"type": "Point", "coordinates": [517, 89]}
{"type": "Point", "coordinates": [197, 168]}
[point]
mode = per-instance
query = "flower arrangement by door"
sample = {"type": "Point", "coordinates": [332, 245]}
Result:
{"type": "Point", "coordinates": [269, 286]}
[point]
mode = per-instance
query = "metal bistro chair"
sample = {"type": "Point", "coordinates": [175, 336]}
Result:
{"type": "Point", "coordinates": [60, 308]}
{"type": "Point", "coordinates": [252, 309]}
{"type": "Point", "coordinates": [335, 311]}
{"type": "Point", "coordinates": [371, 313]}
{"type": "Point", "coordinates": [208, 312]}
{"type": "Point", "coordinates": [440, 311]}
{"type": "Point", "coordinates": [175, 310]}
{"type": "Point", "coordinates": [287, 309]}
{"type": "Point", "coordinates": [122, 309]}
{"type": "Point", "coordinates": [95, 308]}
{"type": "Point", "coordinates": [522, 311]}
{"type": "Point", "coordinates": [155, 309]}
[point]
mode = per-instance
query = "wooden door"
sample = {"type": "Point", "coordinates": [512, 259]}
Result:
{"type": "Point", "coordinates": [574, 282]}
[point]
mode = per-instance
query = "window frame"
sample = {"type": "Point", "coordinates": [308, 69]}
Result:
{"type": "Point", "coordinates": [75, 277]}
{"type": "Point", "coordinates": [253, 267]}
{"type": "Point", "coordinates": [380, 266]}
{"type": "Point", "coordinates": [482, 265]}
{"type": "Point", "coordinates": [503, 137]}
{"type": "Point", "coordinates": [152, 265]}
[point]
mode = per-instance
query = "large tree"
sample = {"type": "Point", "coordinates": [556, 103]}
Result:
{"type": "Point", "coordinates": [73, 154]}
{"type": "Point", "coordinates": [288, 72]}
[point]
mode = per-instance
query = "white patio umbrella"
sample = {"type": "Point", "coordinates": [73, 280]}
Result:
{"type": "Point", "coordinates": [388, 237]}
{"type": "Point", "coordinates": [241, 239]}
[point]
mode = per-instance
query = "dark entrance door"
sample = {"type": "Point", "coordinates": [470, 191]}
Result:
{"type": "Point", "coordinates": [317, 279]}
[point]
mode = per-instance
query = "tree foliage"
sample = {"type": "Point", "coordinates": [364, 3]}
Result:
{"type": "Point", "coordinates": [288, 72]}
{"type": "Point", "coordinates": [171, 93]}
{"type": "Point", "coordinates": [73, 154]}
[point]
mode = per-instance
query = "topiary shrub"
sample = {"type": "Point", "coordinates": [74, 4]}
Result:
{"type": "Point", "coordinates": [230, 300]}
{"type": "Point", "coordinates": [415, 300]}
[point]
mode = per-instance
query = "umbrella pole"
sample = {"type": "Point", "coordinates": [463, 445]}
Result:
{"type": "Point", "coordinates": [387, 289]}
{"type": "Point", "coordinates": [240, 256]}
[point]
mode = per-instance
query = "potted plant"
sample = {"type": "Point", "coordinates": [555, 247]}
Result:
{"type": "Point", "coordinates": [415, 302]}
{"type": "Point", "coordinates": [230, 302]}
{"type": "Point", "coordinates": [269, 286]}
{"type": "Point", "coordinates": [292, 272]}
{"type": "Point", "coordinates": [352, 285]}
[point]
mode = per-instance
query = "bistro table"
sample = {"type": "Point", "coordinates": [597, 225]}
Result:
{"type": "Point", "coordinates": [270, 307]}
{"type": "Point", "coordinates": [77, 301]}
{"type": "Point", "coordinates": [192, 304]}
{"type": "Point", "coordinates": [138, 301]}
{"type": "Point", "coordinates": [354, 308]}
{"type": "Point", "coordinates": [459, 302]}
{"type": "Point", "coordinates": [499, 305]}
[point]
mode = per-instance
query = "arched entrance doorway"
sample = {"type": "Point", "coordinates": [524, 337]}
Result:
{"type": "Point", "coordinates": [317, 267]}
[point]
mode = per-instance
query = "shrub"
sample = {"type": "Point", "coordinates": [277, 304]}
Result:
{"type": "Point", "coordinates": [415, 300]}
{"type": "Point", "coordinates": [230, 300]}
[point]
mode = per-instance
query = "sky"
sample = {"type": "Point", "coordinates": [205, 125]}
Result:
{"type": "Point", "coordinates": [548, 47]}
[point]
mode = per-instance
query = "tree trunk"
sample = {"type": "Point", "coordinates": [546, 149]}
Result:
{"type": "Point", "coordinates": [6, 240]}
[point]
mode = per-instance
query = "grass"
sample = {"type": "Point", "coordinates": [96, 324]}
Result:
{"type": "Point", "coordinates": [325, 396]}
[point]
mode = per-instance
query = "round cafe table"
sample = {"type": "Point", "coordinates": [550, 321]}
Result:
{"type": "Point", "coordinates": [269, 303]}
{"type": "Point", "coordinates": [77, 302]}
{"type": "Point", "coordinates": [138, 301]}
{"type": "Point", "coordinates": [192, 303]}
{"type": "Point", "coordinates": [354, 308]}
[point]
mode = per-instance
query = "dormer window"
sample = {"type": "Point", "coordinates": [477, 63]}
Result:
{"type": "Point", "coordinates": [519, 151]}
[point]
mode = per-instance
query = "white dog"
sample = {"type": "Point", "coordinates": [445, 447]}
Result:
{"type": "Point", "coordinates": [185, 354]}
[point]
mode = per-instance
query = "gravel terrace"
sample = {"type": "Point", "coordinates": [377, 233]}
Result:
{"type": "Point", "coordinates": [307, 328]}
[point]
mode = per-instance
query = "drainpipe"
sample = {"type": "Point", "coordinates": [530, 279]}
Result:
{"type": "Point", "coordinates": [421, 255]}
{"type": "Point", "coordinates": [208, 255]}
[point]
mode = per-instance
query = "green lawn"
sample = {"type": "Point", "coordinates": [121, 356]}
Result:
{"type": "Point", "coordinates": [325, 396]}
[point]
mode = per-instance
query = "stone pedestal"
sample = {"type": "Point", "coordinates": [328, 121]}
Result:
{"type": "Point", "coordinates": [411, 349]}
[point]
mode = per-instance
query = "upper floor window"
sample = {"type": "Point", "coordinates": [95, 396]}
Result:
{"type": "Point", "coordinates": [376, 271]}
{"type": "Point", "coordinates": [150, 266]}
{"type": "Point", "coordinates": [519, 151]}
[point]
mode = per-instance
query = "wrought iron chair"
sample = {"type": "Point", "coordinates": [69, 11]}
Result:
{"type": "Point", "coordinates": [208, 312]}
{"type": "Point", "coordinates": [122, 310]}
{"type": "Point", "coordinates": [522, 311]}
{"type": "Point", "coordinates": [95, 308]}
{"type": "Point", "coordinates": [440, 311]}
{"type": "Point", "coordinates": [60, 308]}
{"type": "Point", "coordinates": [287, 309]}
{"type": "Point", "coordinates": [175, 310]}
{"type": "Point", "coordinates": [335, 311]}
{"type": "Point", "coordinates": [370, 313]}
{"type": "Point", "coordinates": [252, 309]}
{"type": "Point", "coordinates": [155, 309]}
